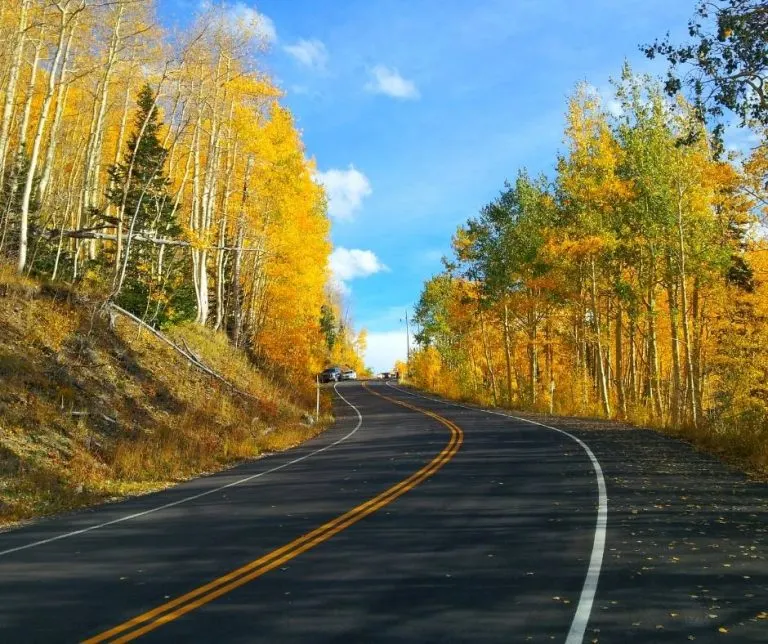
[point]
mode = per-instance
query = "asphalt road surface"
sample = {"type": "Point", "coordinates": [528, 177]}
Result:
{"type": "Point", "coordinates": [411, 520]}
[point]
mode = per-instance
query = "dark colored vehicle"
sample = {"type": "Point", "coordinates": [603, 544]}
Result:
{"type": "Point", "coordinates": [332, 374]}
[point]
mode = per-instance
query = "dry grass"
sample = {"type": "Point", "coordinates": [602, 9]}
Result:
{"type": "Point", "coordinates": [13, 283]}
{"type": "Point", "coordinates": [743, 444]}
{"type": "Point", "coordinates": [89, 414]}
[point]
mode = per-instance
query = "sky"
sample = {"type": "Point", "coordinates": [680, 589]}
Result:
{"type": "Point", "coordinates": [416, 111]}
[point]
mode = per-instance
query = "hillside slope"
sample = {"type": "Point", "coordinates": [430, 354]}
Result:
{"type": "Point", "coordinates": [90, 413]}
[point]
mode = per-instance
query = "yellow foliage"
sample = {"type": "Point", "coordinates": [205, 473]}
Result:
{"type": "Point", "coordinates": [643, 297]}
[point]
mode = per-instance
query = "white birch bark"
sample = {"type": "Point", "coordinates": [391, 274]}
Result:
{"type": "Point", "coordinates": [58, 68]}
{"type": "Point", "coordinates": [10, 91]}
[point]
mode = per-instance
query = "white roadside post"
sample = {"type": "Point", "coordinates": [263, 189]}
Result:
{"type": "Point", "coordinates": [317, 399]}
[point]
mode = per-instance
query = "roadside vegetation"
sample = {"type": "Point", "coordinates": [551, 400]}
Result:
{"type": "Point", "coordinates": [93, 409]}
{"type": "Point", "coordinates": [159, 173]}
{"type": "Point", "coordinates": [632, 284]}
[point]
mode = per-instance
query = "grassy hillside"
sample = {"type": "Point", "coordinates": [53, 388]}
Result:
{"type": "Point", "coordinates": [90, 413]}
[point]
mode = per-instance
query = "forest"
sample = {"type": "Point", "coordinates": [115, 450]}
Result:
{"type": "Point", "coordinates": [158, 171]}
{"type": "Point", "coordinates": [165, 290]}
{"type": "Point", "coordinates": [632, 284]}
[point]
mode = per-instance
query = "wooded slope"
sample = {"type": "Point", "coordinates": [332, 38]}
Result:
{"type": "Point", "coordinates": [88, 413]}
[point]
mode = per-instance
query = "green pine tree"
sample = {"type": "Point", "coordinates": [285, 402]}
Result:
{"type": "Point", "coordinates": [154, 286]}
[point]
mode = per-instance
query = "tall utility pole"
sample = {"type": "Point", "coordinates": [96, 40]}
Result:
{"type": "Point", "coordinates": [407, 340]}
{"type": "Point", "coordinates": [407, 343]}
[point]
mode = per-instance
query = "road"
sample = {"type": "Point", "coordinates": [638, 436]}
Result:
{"type": "Point", "coordinates": [411, 520]}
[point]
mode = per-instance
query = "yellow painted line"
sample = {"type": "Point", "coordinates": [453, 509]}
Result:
{"type": "Point", "coordinates": [198, 597]}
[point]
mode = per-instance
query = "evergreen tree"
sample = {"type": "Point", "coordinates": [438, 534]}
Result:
{"type": "Point", "coordinates": [140, 180]}
{"type": "Point", "coordinates": [154, 278]}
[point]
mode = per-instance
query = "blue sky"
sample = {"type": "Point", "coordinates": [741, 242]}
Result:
{"type": "Point", "coordinates": [418, 110]}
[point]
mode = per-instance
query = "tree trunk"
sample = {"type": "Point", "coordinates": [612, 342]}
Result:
{"type": "Point", "coordinates": [10, 90]}
{"type": "Point", "coordinates": [602, 380]}
{"type": "Point", "coordinates": [116, 160]}
{"type": "Point", "coordinates": [698, 374]}
{"type": "Point", "coordinates": [581, 328]}
{"type": "Point", "coordinates": [195, 215]}
{"type": "Point", "coordinates": [619, 353]}
{"type": "Point", "coordinates": [30, 95]}
{"type": "Point", "coordinates": [23, 131]}
{"type": "Point", "coordinates": [489, 364]}
{"type": "Point", "coordinates": [220, 258]}
{"type": "Point", "coordinates": [95, 131]}
{"type": "Point", "coordinates": [633, 381]}
{"type": "Point", "coordinates": [533, 365]}
{"type": "Point", "coordinates": [45, 174]}
{"type": "Point", "coordinates": [236, 290]}
{"type": "Point", "coordinates": [507, 353]}
{"type": "Point", "coordinates": [675, 388]}
{"type": "Point", "coordinates": [550, 363]}
{"type": "Point", "coordinates": [653, 350]}
{"type": "Point", "coordinates": [692, 397]}
{"type": "Point", "coordinates": [58, 67]}
{"type": "Point", "coordinates": [207, 198]}
{"type": "Point", "coordinates": [220, 273]}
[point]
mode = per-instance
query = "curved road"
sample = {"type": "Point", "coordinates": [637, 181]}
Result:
{"type": "Point", "coordinates": [411, 520]}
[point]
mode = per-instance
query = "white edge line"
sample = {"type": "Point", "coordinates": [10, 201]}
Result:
{"type": "Point", "coordinates": [587, 597]}
{"type": "Point", "coordinates": [129, 517]}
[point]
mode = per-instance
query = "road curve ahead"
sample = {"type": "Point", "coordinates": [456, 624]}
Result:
{"type": "Point", "coordinates": [411, 520]}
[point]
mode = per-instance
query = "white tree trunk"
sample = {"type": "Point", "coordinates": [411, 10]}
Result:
{"type": "Point", "coordinates": [10, 92]}
{"type": "Point", "coordinates": [58, 69]}
{"type": "Point", "coordinates": [30, 95]}
{"type": "Point", "coordinates": [120, 139]}
{"type": "Point", "coordinates": [95, 134]}
{"type": "Point", "coordinates": [53, 140]}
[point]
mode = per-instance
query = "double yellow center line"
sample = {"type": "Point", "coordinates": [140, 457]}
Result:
{"type": "Point", "coordinates": [198, 597]}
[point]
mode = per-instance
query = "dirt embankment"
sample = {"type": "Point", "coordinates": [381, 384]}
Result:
{"type": "Point", "coordinates": [91, 411]}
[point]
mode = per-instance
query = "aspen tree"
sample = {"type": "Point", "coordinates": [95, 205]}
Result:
{"type": "Point", "coordinates": [69, 11]}
{"type": "Point", "coordinates": [19, 40]}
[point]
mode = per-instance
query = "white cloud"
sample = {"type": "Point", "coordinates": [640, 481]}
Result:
{"type": "Point", "coordinates": [348, 264]}
{"type": "Point", "coordinates": [351, 263]}
{"type": "Point", "coordinates": [387, 80]}
{"type": "Point", "coordinates": [384, 347]}
{"type": "Point", "coordinates": [346, 190]}
{"type": "Point", "coordinates": [310, 53]}
{"type": "Point", "coordinates": [241, 13]}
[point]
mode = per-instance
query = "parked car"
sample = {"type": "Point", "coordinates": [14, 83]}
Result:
{"type": "Point", "coordinates": [331, 374]}
{"type": "Point", "coordinates": [348, 375]}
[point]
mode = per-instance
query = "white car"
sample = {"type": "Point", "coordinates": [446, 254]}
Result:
{"type": "Point", "coordinates": [348, 375]}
